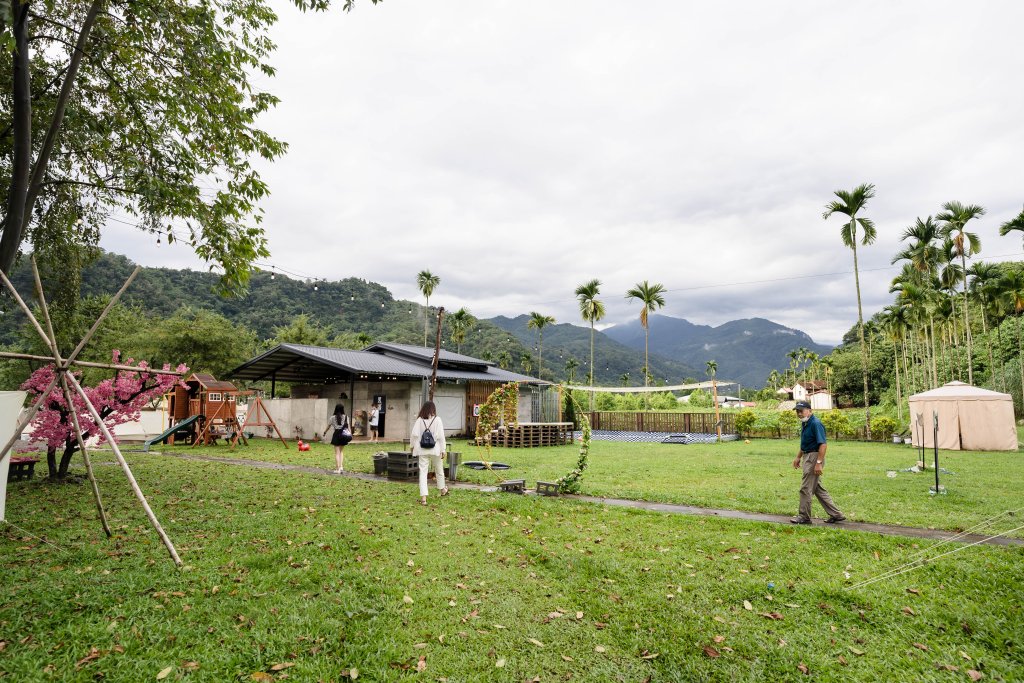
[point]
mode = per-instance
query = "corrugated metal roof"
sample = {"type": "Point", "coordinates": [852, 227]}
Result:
{"type": "Point", "coordinates": [319, 364]}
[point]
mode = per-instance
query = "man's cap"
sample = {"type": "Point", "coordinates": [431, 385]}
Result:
{"type": "Point", "coordinates": [802, 404]}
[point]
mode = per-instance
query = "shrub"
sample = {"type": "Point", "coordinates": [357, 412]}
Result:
{"type": "Point", "coordinates": [745, 421]}
{"type": "Point", "coordinates": [788, 422]}
{"type": "Point", "coordinates": [883, 427]}
{"type": "Point", "coordinates": [767, 420]}
{"type": "Point", "coordinates": [701, 399]}
{"type": "Point", "coordinates": [837, 422]}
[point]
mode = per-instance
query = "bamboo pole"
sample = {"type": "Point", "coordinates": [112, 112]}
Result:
{"type": "Point", "coordinates": [52, 339]}
{"type": "Point", "coordinates": [88, 364]}
{"type": "Point", "coordinates": [85, 456]}
{"type": "Point", "coordinates": [127, 470]}
{"type": "Point", "coordinates": [27, 416]}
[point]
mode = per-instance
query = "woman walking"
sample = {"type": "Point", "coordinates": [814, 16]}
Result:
{"type": "Point", "coordinates": [341, 436]}
{"type": "Point", "coordinates": [428, 445]}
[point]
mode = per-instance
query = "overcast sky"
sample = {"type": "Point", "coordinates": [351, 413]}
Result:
{"type": "Point", "coordinates": [518, 149]}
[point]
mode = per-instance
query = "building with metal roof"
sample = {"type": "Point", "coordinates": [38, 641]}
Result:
{"type": "Point", "coordinates": [394, 376]}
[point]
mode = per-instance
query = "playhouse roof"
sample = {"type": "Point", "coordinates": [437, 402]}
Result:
{"type": "Point", "coordinates": [381, 361]}
{"type": "Point", "coordinates": [209, 382]}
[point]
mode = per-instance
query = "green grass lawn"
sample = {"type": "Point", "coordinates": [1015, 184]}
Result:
{"type": "Point", "coordinates": [305, 576]}
{"type": "Point", "coordinates": [756, 477]}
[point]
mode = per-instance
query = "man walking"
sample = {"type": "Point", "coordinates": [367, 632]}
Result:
{"type": "Point", "coordinates": [812, 455]}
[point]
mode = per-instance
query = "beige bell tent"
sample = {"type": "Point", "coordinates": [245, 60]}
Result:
{"type": "Point", "coordinates": [970, 418]}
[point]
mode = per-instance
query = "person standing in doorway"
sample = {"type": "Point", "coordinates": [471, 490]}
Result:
{"type": "Point", "coordinates": [374, 421]}
{"type": "Point", "coordinates": [812, 458]}
{"type": "Point", "coordinates": [340, 437]}
{"type": "Point", "coordinates": [428, 445]}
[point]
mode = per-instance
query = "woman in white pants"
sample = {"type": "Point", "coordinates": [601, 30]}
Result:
{"type": "Point", "coordinates": [429, 421]}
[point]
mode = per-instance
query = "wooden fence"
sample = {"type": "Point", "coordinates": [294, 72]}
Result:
{"type": "Point", "coordinates": [676, 423]}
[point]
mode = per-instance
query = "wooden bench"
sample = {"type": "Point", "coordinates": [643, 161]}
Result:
{"type": "Point", "coordinates": [22, 468]}
{"type": "Point", "coordinates": [547, 488]}
{"type": "Point", "coordinates": [513, 486]}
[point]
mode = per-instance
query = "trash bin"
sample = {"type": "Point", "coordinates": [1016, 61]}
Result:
{"type": "Point", "coordinates": [454, 460]}
{"type": "Point", "coordinates": [380, 464]}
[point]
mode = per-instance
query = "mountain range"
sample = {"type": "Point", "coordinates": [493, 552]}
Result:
{"type": "Point", "coordinates": [745, 350]}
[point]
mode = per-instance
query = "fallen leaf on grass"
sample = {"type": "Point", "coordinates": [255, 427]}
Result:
{"type": "Point", "coordinates": [803, 669]}
{"type": "Point", "coordinates": [93, 655]}
{"type": "Point", "coordinates": [965, 655]}
{"type": "Point", "coordinates": [566, 658]}
{"type": "Point", "coordinates": [914, 591]}
{"type": "Point", "coordinates": [842, 660]}
{"type": "Point", "coordinates": [164, 673]}
{"type": "Point", "coordinates": [719, 619]}
{"type": "Point", "coordinates": [421, 665]}
{"type": "Point", "coordinates": [910, 611]}
{"type": "Point", "coordinates": [500, 664]}
{"type": "Point", "coordinates": [420, 646]}
{"type": "Point", "coordinates": [772, 615]}
{"type": "Point", "coordinates": [975, 675]}
{"type": "Point", "coordinates": [921, 646]}
{"type": "Point", "coordinates": [712, 652]}
{"type": "Point", "coordinates": [747, 606]}
{"type": "Point", "coordinates": [719, 639]}
{"type": "Point", "coordinates": [261, 677]}
{"type": "Point", "coordinates": [407, 600]}
{"type": "Point", "coordinates": [599, 649]}
{"type": "Point", "coordinates": [947, 667]}
{"type": "Point", "coordinates": [282, 666]}
{"type": "Point", "coordinates": [649, 655]}
{"type": "Point", "coordinates": [534, 641]}
{"type": "Point", "coordinates": [859, 653]}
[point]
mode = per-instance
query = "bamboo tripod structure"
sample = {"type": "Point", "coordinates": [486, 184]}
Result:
{"type": "Point", "coordinates": [69, 383]}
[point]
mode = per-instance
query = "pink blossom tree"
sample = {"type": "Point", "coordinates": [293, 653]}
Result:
{"type": "Point", "coordinates": [117, 400]}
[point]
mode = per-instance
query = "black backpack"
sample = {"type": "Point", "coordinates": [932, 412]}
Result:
{"type": "Point", "coordinates": [427, 437]}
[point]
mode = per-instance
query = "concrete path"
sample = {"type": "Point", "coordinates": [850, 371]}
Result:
{"type": "Point", "coordinates": [884, 529]}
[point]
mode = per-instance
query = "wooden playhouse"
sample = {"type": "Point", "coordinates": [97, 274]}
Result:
{"type": "Point", "coordinates": [209, 405]}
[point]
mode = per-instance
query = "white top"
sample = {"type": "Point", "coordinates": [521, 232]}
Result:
{"type": "Point", "coordinates": [374, 417]}
{"type": "Point", "coordinates": [420, 426]}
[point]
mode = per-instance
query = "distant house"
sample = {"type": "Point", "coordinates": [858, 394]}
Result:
{"type": "Point", "coordinates": [814, 392]}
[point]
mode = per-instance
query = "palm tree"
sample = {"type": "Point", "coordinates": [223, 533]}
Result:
{"type": "Point", "coordinates": [773, 379]}
{"type": "Point", "coordinates": [712, 370]}
{"type": "Point", "coordinates": [983, 281]}
{"type": "Point", "coordinates": [1013, 291]}
{"type": "Point", "coordinates": [850, 204]}
{"type": "Point", "coordinates": [570, 370]}
{"type": "Point", "coordinates": [363, 339]}
{"type": "Point", "coordinates": [461, 322]}
{"type": "Point", "coordinates": [539, 321]}
{"type": "Point", "coordinates": [650, 298]}
{"type": "Point", "coordinates": [1014, 224]}
{"type": "Point", "coordinates": [954, 221]}
{"type": "Point", "coordinates": [526, 360]}
{"type": "Point", "coordinates": [592, 310]}
{"type": "Point", "coordinates": [624, 379]}
{"type": "Point", "coordinates": [427, 282]}
{"type": "Point", "coordinates": [894, 321]}
{"type": "Point", "coordinates": [504, 360]}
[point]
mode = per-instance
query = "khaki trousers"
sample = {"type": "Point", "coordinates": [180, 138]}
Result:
{"type": "Point", "coordinates": [811, 487]}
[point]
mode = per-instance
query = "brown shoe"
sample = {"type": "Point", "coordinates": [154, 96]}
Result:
{"type": "Point", "coordinates": [799, 520]}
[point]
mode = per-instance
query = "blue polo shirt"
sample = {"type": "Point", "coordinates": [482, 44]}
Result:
{"type": "Point", "coordinates": [812, 435]}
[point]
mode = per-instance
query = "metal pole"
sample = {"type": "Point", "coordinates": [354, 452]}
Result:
{"type": "Point", "coordinates": [935, 419]}
{"type": "Point", "coordinates": [437, 353]}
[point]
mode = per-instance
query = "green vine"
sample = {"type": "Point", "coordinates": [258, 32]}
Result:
{"type": "Point", "coordinates": [570, 483]}
{"type": "Point", "coordinates": [503, 403]}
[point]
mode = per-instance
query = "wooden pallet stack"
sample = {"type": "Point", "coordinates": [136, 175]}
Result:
{"type": "Point", "coordinates": [533, 435]}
